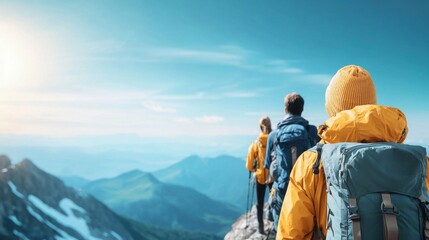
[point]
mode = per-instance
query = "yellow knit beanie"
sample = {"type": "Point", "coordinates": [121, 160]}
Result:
{"type": "Point", "coordinates": [351, 86]}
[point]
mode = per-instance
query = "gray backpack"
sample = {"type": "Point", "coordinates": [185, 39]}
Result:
{"type": "Point", "coordinates": [375, 190]}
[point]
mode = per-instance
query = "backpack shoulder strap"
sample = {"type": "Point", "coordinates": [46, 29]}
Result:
{"type": "Point", "coordinates": [313, 137]}
{"type": "Point", "coordinates": [274, 143]}
{"type": "Point", "coordinates": [255, 160]}
{"type": "Point", "coordinates": [318, 150]}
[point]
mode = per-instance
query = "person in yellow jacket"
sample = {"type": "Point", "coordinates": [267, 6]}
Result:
{"type": "Point", "coordinates": [350, 102]}
{"type": "Point", "coordinates": [255, 163]}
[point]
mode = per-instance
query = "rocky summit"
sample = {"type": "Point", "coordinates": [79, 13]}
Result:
{"type": "Point", "coordinates": [36, 205]}
{"type": "Point", "coordinates": [246, 227]}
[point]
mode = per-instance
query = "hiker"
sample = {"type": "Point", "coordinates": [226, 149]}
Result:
{"type": "Point", "coordinates": [293, 136]}
{"type": "Point", "coordinates": [350, 102]}
{"type": "Point", "coordinates": [255, 163]}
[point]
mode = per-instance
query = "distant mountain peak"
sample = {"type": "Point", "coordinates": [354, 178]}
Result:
{"type": "Point", "coordinates": [4, 162]}
{"type": "Point", "coordinates": [150, 177]}
{"type": "Point", "coordinates": [132, 173]}
{"type": "Point", "coordinates": [27, 165]}
{"type": "Point", "coordinates": [136, 174]}
{"type": "Point", "coordinates": [223, 178]}
{"type": "Point", "coordinates": [192, 158]}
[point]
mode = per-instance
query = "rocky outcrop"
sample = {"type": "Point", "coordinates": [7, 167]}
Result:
{"type": "Point", "coordinates": [37, 205]}
{"type": "Point", "coordinates": [246, 227]}
{"type": "Point", "coordinates": [4, 162]}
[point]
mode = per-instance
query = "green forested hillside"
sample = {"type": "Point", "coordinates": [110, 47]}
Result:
{"type": "Point", "coordinates": [142, 197]}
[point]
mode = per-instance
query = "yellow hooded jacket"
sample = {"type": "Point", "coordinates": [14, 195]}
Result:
{"type": "Point", "coordinates": [305, 202]}
{"type": "Point", "coordinates": [257, 152]}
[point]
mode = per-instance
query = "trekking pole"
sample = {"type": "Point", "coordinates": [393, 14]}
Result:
{"type": "Point", "coordinates": [248, 192]}
{"type": "Point", "coordinates": [253, 192]}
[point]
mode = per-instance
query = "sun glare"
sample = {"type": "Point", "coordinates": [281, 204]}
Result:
{"type": "Point", "coordinates": [21, 57]}
{"type": "Point", "coordinates": [12, 61]}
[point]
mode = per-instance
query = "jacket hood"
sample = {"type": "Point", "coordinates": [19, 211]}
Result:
{"type": "Point", "coordinates": [293, 119]}
{"type": "Point", "coordinates": [365, 123]}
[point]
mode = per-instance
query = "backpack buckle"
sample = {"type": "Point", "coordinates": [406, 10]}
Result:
{"type": "Point", "coordinates": [388, 208]}
{"type": "Point", "coordinates": [354, 213]}
{"type": "Point", "coordinates": [354, 216]}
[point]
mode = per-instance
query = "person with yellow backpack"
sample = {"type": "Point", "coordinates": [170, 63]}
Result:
{"type": "Point", "coordinates": [255, 163]}
{"type": "Point", "coordinates": [360, 181]}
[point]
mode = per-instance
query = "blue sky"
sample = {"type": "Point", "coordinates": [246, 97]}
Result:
{"type": "Point", "coordinates": [141, 84]}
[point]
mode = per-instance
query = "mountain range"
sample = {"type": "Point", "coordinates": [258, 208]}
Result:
{"type": "Point", "coordinates": [195, 194]}
{"type": "Point", "coordinates": [141, 196]}
{"type": "Point", "coordinates": [223, 178]}
{"type": "Point", "coordinates": [37, 205]}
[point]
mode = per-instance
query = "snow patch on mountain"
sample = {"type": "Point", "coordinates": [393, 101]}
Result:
{"type": "Point", "coordinates": [35, 214]}
{"type": "Point", "coordinates": [20, 235]}
{"type": "Point", "coordinates": [15, 190]}
{"type": "Point", "coordinates": [63, 234]}
{"type": "Point", "coordinates": [115, 235]}
{"type": "Point", "coordinates": [70, 219]}
{"type": "Point", "coordinates": [15, 220]}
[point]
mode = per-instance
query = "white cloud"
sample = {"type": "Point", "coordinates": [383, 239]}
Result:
{"type": "Point", "coordinates": [281, 66]}
{"type": "Point", "coordinates": [193, 96]}
{"type": "Point", "coordinates": [289, 70]}
{"type": "Point", "coordinates": [155, 107]}
{"type": "Point", "coordinates": [184, 120]}
{"type": "Point", "coordinates": [241, 94]}
{"type": "Point", "coordinates": [230, 55]}
{"type": "Point", "coordinates": [240, 58]}
{"type": "Point", "coordinates": [237, 57]}
{"type": "Point", "coordinates": [210, 119]}
{"type": "Point", "coordinates": [206, 119]}
{"type": "Point", "coordinates": [320, 79]}
{"type": "Point", "coordinates": [218, 57]}
{"type": "Point", "coordinates": [99, 112]}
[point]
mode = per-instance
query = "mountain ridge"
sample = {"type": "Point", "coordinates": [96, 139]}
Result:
{"type": "Point", "coordinates": [222, 178]}
{"type": "Point", "coordinates": [141, 196]}
{"type": "Point", "coordinates": [37, 205]}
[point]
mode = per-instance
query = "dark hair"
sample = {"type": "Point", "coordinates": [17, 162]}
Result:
{"type": "Point", "coordinates": [294, 103]}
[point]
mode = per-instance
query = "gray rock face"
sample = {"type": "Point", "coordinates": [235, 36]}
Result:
{"type": "Point", "coordinates": [4, 162]}
{"type": "Point", "coordinates": [246, 227]}
{"type": "Point", "coordinates": [37, 205]}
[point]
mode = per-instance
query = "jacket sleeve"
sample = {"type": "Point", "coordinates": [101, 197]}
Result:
{"type": "Point", "coordinates": [303, 202]}
{"type": "Point", "coordinates": [251, 157]}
